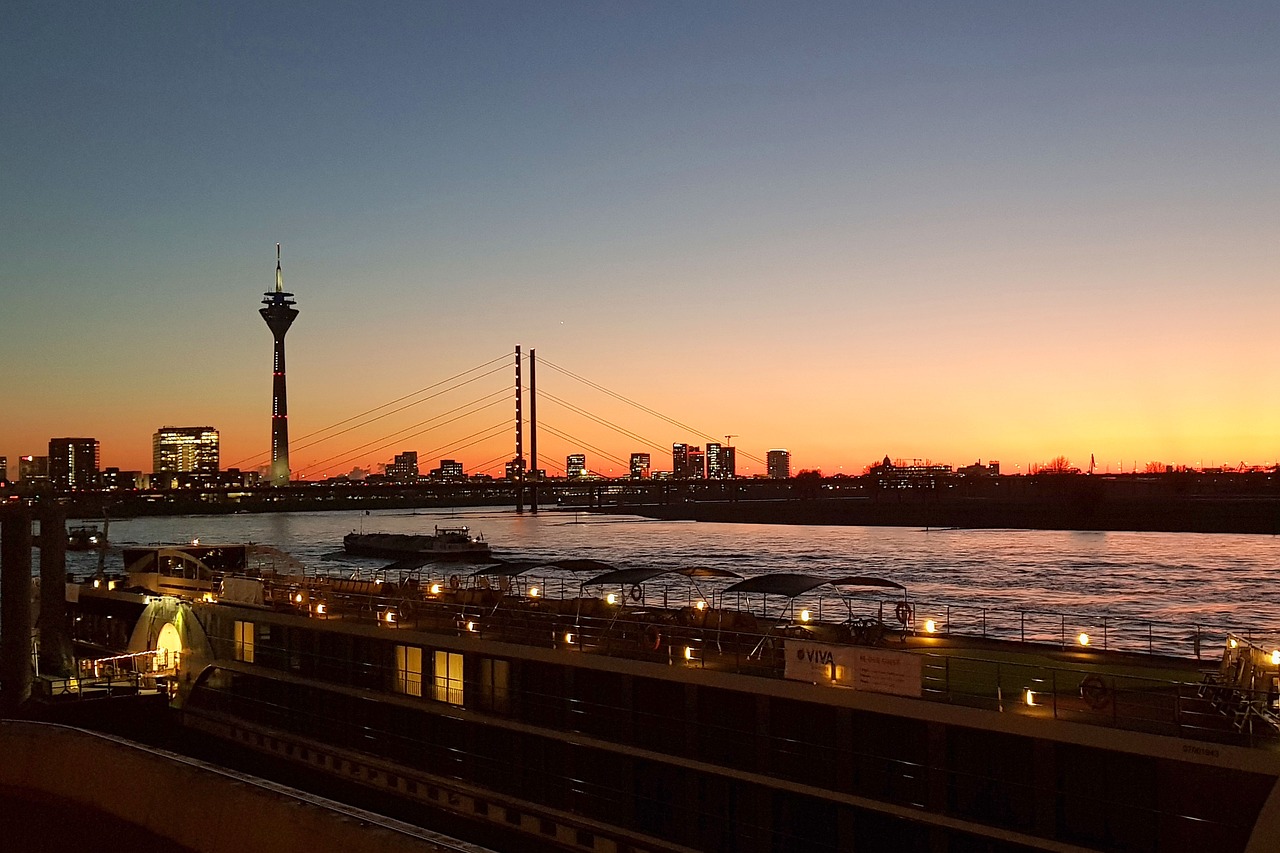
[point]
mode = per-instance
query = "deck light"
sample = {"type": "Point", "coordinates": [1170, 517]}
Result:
{"type": "Point", "coordinates": [1275, 657]}
{"type": "Point", "coordinates": [389, 617]}
{"type": "Point", "coordinates": [1030, 697]}
{"type": "Point", "coordinates": [568, 639]}
{"type": "Point", "coordinates": [534, 592]}
{"type": "Point", "coordinates": [701, 605]}
{"type": "Point", "coordinates": [688, 652]}
{"type": "Point", "coordinates": [1083, 639]}
{"type": "Point", "coordinates": [207, 598]}
{"type": "Point", "coordinates": [611, 598]}
{"type": "Point", "coordinates": [298, 598]}
{"type": "Point", "coordinates": [930, 627]}
{"type": "Point", "coordinates": [111, 585]}
{"type": "Point", "coordinates": [1233, 642]}
{"type": "Point", "coordinates": [804, 615]}
{"type": "Point", "coordinates": [471, 626]}
{"type": "Point", "coordinates": [96, 583]}
{"type": "Point", "coordinates": [435, 589]}
{"type": "Point", "coordinates": [320, 608]}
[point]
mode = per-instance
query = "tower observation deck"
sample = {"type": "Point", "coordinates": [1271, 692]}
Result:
{"type": "Point", "coordinates": [279, 313]}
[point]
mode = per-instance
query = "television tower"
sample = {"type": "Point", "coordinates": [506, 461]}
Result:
{"type": "Point", "coordinates": [279, 314]}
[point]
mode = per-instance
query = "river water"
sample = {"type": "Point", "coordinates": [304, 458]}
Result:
{"type": "Point", "coordinates": [1128, 590]}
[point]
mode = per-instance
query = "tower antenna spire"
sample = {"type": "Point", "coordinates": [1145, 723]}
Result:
{"type": "Point", "coordinates": [279, 273]}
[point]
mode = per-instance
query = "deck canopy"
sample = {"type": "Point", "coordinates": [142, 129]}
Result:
{"type": "Point", "coordinates": [637, 576]}
{"type": "Point", "coordinates": [515, 567]}
{"type": "Point", "coordinates": [407, 564]}
{"type": "Point", "coordinates": [706, 572]}
{"type": "Point", "coordinates": [865, 580]}
{"type": "Point", "coordinates": [625, 576]}
{"type": "Point", "coordinates": [779, 583]}
{"type": "Point", "coordinates": [580, 565]}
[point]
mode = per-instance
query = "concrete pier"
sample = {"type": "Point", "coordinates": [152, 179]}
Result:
{"type": "Point", "coordinates": [55, 640]}
{"type": "Point", "coordinates": [15, 609]}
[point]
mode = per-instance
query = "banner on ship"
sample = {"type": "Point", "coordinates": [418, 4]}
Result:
{"type": "Point", "coordinates": [859, 667]}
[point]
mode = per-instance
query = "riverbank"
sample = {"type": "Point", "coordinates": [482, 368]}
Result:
{"type": "Point", "coordinates": [1096, 512]}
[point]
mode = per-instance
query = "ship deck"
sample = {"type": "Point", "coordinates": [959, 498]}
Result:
{"type": "Point", "coordinates": [1223, 702]}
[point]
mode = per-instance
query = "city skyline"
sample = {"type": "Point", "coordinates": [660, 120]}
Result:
{"type": "Point", "coordinates": [996, 232]}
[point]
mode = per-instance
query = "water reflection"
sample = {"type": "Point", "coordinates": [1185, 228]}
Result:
{"type": "Point", "coordinates": [1211, 579]}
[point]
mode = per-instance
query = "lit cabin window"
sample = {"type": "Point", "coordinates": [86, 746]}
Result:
{"type": "Point", "coordinates": [244, 641]}
{"type": "Point", "coordinates": [448, 676]}
{"type": "Point", "coordinates": [409, 670]}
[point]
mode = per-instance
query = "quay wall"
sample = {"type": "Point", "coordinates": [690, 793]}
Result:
{"type": "Point", "coordinates": [197, 806]}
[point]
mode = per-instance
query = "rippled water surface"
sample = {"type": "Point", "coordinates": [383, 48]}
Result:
{"type": "Point", "coordinates": [1177, 581]}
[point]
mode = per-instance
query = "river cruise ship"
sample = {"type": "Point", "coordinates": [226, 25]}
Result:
{"type": "Point", "coordinates": [585, 708]}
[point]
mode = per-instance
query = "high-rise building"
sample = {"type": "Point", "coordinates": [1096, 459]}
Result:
{"type": "Point", "coordinates": [449, 470]}
{"type": "Point", "coordinates": [405, 467]}
{"type": "Point", "coordinates": [679, 460]}
{"type": "Point", "coordinates": [728, 462]}
{"type": "Point", "coordinates": [715, 461]}
{"type": "Point", "coordinates": [687, 462]}
{"type": "Point", "coordinates": [640, 463]}
{"type": "Point", "coordinates": [279, 314]}
{"type": "Point", "coordinates": [73, 463]}
{"type": "Point", "coordinates": [4, 469]}
{"type": "Point", "coordinates": [33, 470]}
{"type": "Point", "coordinates": [779, 464]}
{"type": "Point", "coordinates": [192, 450]}
{"type": "Point", "coordinates": [697, 466]}
{"type": "Point", "coordinates": [575, 465]}
{"type": "Point", "coordinates": [514, 469]}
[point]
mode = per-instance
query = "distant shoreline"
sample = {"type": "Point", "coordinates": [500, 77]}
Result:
{"type": "Point", "coordinates": [1156, 514]}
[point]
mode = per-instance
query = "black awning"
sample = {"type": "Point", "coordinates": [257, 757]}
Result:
{"type": "Point", "coordinates": [516, 567]}
{"type": "Point", "coordinates": [581, 565]}
{"type": "Point", "coordinates": [780, 583]}
{"type": "Point", "coordinates": [866, 580]}
{"type": "Point", "coordinates": [626, 576]}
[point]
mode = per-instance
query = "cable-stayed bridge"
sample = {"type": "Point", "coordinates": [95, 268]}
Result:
{"type": "Point", "coordinates": [484, 417]}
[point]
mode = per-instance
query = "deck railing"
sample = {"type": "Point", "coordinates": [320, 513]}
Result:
{"type": "Point", "coordinates": [1104, 689]}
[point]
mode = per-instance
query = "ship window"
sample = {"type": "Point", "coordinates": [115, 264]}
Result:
{"type": "Point", "coordinates": [448, 677]}
{"type": "Point", "coordinates": [244, 641]}
{"type": "Point", "coordinates": [495, 680]}
{"type": "Point", "coordinates": [409, 670]}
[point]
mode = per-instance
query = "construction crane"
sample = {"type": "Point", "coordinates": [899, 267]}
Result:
{"type": "Point", "coordinates": [728, 439]}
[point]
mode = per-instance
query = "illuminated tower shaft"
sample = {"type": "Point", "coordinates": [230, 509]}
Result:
{"type": "Point", "coordinates": [279, 314]}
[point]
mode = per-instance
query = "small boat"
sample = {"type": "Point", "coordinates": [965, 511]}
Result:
{"type": "Point", "coordinates": [86, 538]}
{"type": "Point", "coordinates": [447, 543]}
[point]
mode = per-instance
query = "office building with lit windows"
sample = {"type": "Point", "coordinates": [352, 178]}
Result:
{"type": "Point", "coordinates": [449, 470]}
{"type": "Point", "coordinates": [74, 463]}
{"type": "Point", "coordinates": [405, 467]}
{"type": "Point", "coordinates": [33, 470]}
{"type": "Point", "coordinates": [640, 464]}
{"type": "Point", "coordinates": [185, 450]}
{"type": "Point", "coordinates": [779, 464]}
{"type": "Point", "coordinates": [575, 465]}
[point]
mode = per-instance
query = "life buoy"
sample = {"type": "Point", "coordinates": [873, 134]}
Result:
{"type": "Point", "coordinates": [652, 638]}
{"type": "Point", "coordinates": [1093, 690]}
{"type": "Point", "coordinates": [637, 593]}
{"type": "Point", "coordinates": [904, 612]}
{"type": "Point", "coordinates": [454, 581]}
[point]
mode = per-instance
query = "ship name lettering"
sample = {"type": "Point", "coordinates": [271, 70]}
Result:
{"type": "Point", "coordinates": [1200, 750]}
{"type": "Point", "coordinates": [820, 656]}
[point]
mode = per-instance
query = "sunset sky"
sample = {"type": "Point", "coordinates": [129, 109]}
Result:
{"type": "Point", "coordinates": [952, 231]}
